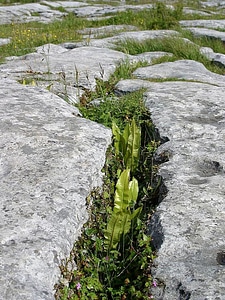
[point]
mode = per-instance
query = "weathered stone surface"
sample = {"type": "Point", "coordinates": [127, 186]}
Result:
{"type": "Point", "coordinates": [105, 30]}
{"type": "Point", "coordinates": [80, 66]}
{"type": "Point", "coordinates": [50, 160]}
{"type": "Point", "coordinates": [100, 10]}
{"type": "Point", "coordinates": [210, 33]}
{"type": "Point", "coordinates": [149, 57]}
{"type": "Point", "coordinates": [4, 41]}
{"type": "Point", "coordinates": [67, 5]}
{"type": "Point", "coordinates": [143, 35]}
{"type": "Point", "coordinates": [189, 11]}
{"type": "Point", "coordinates": [192, 214]}
{"type": "Point", "coordinates": [216, 58]}
{"type": "Point", "coordinates": [181, 69]}
{"type": "Point", "coordinates": [25, 13]}
{"type": "Point", "coordinates": [69, 71]}
{"type": "Point", "coordinates": [216, 24]}
{"type": "Point", "coordinates": [215, 3]}
{"type": "Point", "coordinates": [188, 226]}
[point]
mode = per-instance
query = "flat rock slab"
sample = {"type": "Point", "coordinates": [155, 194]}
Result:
{"type": "Point", "coordinates": [215, 24]}
{"type": "Point", "coordinates": [216, 58]}
{"type": "Point", "coordinates": [111, 42]}
{"type": "Point", "coordinates": [29, 12]}
{"type": "Point", "coordinates": [188, 226]}
{"type": "Point", "coordinates": [80, 66]}
{"type": "Point", "coordinates": [49, 162]}
{"type": "Point", "coordinates": [97, 10]}
{"type": "Point", "coordinates": [210, 33]}
{"type": "Point", "coordinates": [44, 12]}
{"type": "Point", "coordinates": [190, 219]}
{"type": "Point", "coordinates": [180, 69]}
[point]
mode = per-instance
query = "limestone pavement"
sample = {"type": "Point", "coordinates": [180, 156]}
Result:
{"type": "Point", "coordinates": [51, 157]}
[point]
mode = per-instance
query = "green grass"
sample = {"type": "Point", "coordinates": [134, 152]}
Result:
{"type": "Point", "coordinates": [213, 43]}
{"type": "Point", "coordinates": [180, 49]}
{"type": "Point", "coordinates": [159, 17]}
{"type": "Point", "coordinates": [25, 37]}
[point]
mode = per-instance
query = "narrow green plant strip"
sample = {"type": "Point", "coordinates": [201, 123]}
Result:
{"type": "Point", "coordinates": [114, 255]}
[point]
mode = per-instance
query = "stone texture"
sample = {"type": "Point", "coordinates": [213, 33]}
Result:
{"type": "Point", "coordinates": [188, 226]}
{"type": "Point", "coordinates": [27, 13]}
{"type": "Point", "coordinates": [189, 11]}
{"type": "Point", "coordinates": [192, 213]}
{"type": "Point", "coordinates": [209, 33]}
{"type": "Point", "coordinates": [216, 58]}
{"type": "Point", "coordinates": [181, 69]}
{"type": "Point", "coordinates": [215, 24]}
{"type": "Point", "coordinates": [68, 72]}
{"type": "Point", "coordinates": [4, 41]}
{"type": "Point", "coordinates": [110, 42]}
{"type": "Point", "coordinates": [50, 160]}
{"type": "Point", "coordinates": [51, 157]}
{"type": "Point", "coordinates": [100, 10]}
{"type": "Point", "coordinates": [105, 30]}
{"type": "Point", "coordinates": [78, 67]}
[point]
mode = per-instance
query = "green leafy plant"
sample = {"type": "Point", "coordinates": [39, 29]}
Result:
{"type": "Point", "coordinates": [127, 145]}
{"type": "Point", "coordinates": [114, 255]}
{"type": "Point", "coordinates": [123, 213]}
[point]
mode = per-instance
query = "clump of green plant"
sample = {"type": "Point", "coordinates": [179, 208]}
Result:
{"type": "Point", "coordinates": [127, 144]}
{"type": "Point", "coordinates": [114, 255]}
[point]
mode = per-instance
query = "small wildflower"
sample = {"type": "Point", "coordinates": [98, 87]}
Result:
{"type": "Point", "coordinates": [78, 286]}
{"type": "Point", "coordinates": [154, 283]}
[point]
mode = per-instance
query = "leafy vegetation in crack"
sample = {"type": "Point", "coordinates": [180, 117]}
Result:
{"type": "Point", "coordinates": [114, 254]}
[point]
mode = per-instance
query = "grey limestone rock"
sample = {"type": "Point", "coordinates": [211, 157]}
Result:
{"type": "Point", "coordinates": [4, 41]}
{"type": "Point", "coordinates": [97, 10]}
{"type": "Point", "coordinates": [188, 225]}
{"type": "Point", "coordinates": [190, 11]}
{"type": "Point", "coordinates": [24, 13]}
{"type": "Point", "coordinates": [181, 69]}
{"type": "Point", "coordinates": [110, 42]}
{"type": "Point", "coordinates": [50, 160]}
{"type": "Point", "coordinates": [78, 67]}
{"type": "Point", "coordinates": [216, 58]}
{"type": "Point", "coordinates": [210, 33]}
{"type": "Point", "coordinates": [215, 24]}
{"type": "Point", "coordinates": [105, 30]}
{"type": "Point", "coordinates": [51, 157]}
{"type": "Point", "coordinates": [192, 213]}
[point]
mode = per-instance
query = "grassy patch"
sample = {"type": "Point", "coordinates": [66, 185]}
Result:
{"type": "Point", "coordinates": [25, 37]}
{"type": "Point", "coordinates": [180, 48]}
{"type": "Point", "coordinates": [105, 89]}
{"type": "Point", "coordinates": [159, 17]}
{"type": "Point", "coordinates": [213, 43]}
